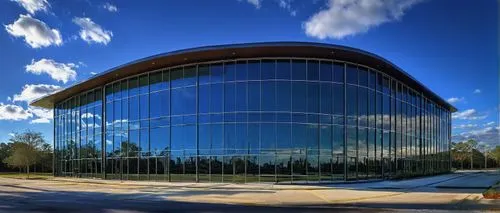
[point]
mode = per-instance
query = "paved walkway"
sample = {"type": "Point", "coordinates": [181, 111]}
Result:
{"type": "Point", "coordinates": [436, 192]}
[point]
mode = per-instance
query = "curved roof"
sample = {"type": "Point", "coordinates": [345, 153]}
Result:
{"type": "Point", "coordinates": [245, 50]}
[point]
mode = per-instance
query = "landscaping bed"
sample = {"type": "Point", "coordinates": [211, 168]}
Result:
{"type": "Point", "coordinates": [493, 192]}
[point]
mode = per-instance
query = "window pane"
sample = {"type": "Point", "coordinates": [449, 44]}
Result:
{"type": "Point", "coordinates": [204, 98]}
{"type": "Point", "coordinates": [229, 96]}
{"type": "Point", "coordinates": [254, 70]}
{"type": "Point", "coordinates": [216, 100]}
{"type": "Point", "coordinates": [352, 74]}
{"type": "Point", "coordinates": [283, 97]}
{"type": "Point", "coordinates": [268, 96]}
{"type": "Point", "coordinates": [155, 81]}
{"type": "Point", "coordinates": [298, 70]}
{"type": "Point", "coordinates": [338, 99]}
{"type": "Point", "coordinates": [351, 103]}
{"type": "Point", "coordinates": [363, 76]}
{"type": "Point", "coordinates": [326, 71]}
{"type": "Point", "coordinates": [299, 90]}
{"type": "Point", "coordinates": [159, 140]}
{"type": "Point", "coordinates": [229, 71]}
{"type": "Point", "coordinates": [312, 70]}
{"type": "Point", "coordinates": [326, 98]}
{"type": "Point", "coordinates": [216, 73]}
{"type": "Point", "coordinates": [268, 69]}
{"type": "Point", "coordinates": [241, 71]}
{"type": "Point", "coordinates": [312, 97]}
{"type": "Point", "coordinates": [241, 96]}
{"type": "Point", "coordinates": [283, 69]}
{"type": "Point", "coordinates": [338, 72]}
{"type": "Point", "coordinates": [203, 74]}
{"type": "Point", "coordinates": [253, 96]}
{"type": "Point", "coordinates": [190, 76]}
{"type": "Point", "coordinates": [372, 79]}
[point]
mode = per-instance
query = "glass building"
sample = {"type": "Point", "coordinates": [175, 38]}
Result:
{"type": "Point", "coordinates": [264, 112]}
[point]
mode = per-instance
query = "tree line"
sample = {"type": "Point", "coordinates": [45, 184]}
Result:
{"type": "Point", "coordinates": [29, 152]}
{"type": "Point", "coordinates": [473, 155]}
{"type": "Point", "coordinates": [26, 152]}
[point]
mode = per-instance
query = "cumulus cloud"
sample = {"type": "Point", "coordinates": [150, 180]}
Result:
{"type": "Point", "coordinates": [58, 71]}
{"type": "Point", "coordinates": [35, 32]}
{"type": "Point", "coordinates": [110, 7]}
{"type": "Point", "coordinates": [454, 100]}
{"type": "Point", "coordinates": [92, 32]}
{"type": "Point", "coordinates": [14, 112]}
{"type": "Point", "coordinates": [42, 115]}
{"type": "Point", "coordinates": [34, 91]}
{"type": "Point", "coordinates": [469, 114]}
{"type": "Point", "coordinates": [476, 91]}
{"type": "Point", "coordinates": [487, 135]}
{"type": "Point", "coordinates": [344, 18]}
{"type": "Point", "coordinates": [32, 6]}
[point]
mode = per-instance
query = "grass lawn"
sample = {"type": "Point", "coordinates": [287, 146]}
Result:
{"type": "Point", "coordinates": [17, 175]}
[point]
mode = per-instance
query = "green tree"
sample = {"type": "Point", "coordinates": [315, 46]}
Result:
{"type": "Point", "coordinates": [5, 151]}
{"type": "Point", "coordinates": [471, 145]}
{"type": "Point", "coordinates": [27, 150]}
{"type": "Point", "coordinates": [460, 152]}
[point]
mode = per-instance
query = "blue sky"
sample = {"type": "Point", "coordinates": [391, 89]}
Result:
{"type": "Point", "coordinates": [450, 46]}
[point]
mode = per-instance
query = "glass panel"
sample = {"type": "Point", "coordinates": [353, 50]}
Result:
{"type": "Point", "coordinates": [216, 73]}
{"type": "Point", "coordinates": [326, 71]}
{"type": "Point", "coordinates": [241, 71]}
{"type": "Point", "coordinates": [299, 70]}
{"type": "Point", "coordinates": [254, 70]}
{"type": "Point", "coordinates": [283, 69]}
{"type": "Point", "coordinates": [268, 69]}
{"type": "Point", "coordinates": [312, 70]}
{"type": "Point", "coordinates": [352, 74]}
{"type": "Point", "coordinates": [229, 71]}
{"type": "Point", "coordinates": [338, 72]}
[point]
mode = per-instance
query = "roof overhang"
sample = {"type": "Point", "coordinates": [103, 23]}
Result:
{"type": "Point", "coordinates": [236, 51]}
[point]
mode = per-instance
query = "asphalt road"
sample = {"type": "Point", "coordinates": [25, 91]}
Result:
{"type": "Point", "coordinates": [431, 193]}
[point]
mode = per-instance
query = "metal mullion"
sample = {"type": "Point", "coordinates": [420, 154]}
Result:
{"type": "Point", "coordinates": [345, 122]}
{"type": "Point", "coordinates": [197, 126]}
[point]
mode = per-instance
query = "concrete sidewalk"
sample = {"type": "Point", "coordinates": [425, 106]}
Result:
{"type": "Point", "coordinates": [420, 193]}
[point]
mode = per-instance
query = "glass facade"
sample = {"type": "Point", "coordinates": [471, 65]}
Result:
{"type": "Point", "coordinates": [253, 120]}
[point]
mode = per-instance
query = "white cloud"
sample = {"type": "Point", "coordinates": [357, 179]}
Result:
{"type": "Point", "coordinates": [454, 100]}
{"type": "Point", "coordinates": [256, 3]}
{"type": "Point", "coordinates": [13, 112]}
{"type": "Point", "coordinates": [93, 73]}
{"type": "Point", "coordinates": [92, 32]}
{"type": "Point", "coordinates": [490, 123]}
{"type": "Point", "coordinates": [57, 71]}
{"type": "Point", "coordinates": [34, 91]}
{"type": "Point", "coordinates": [344, 18]}
{"type": "Point", "coordinates": [110, 7]}
{"type": "Point", "coordinates": [35, 32]}
{"type": "Point", "coordinates": [465, 126]}
{"type": "Point", "coordinates": [487, 135]}
{"type": "Point", "coordinates": [287, 5]}
{"type": "Point", "coordinates": [469, 114]}
{"type": "Point", "coordinates": [476, 91]}
{"type": "Point", "coordinates": [42, 115]}
{"type": "Point", "coordinates": [32, 6]}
